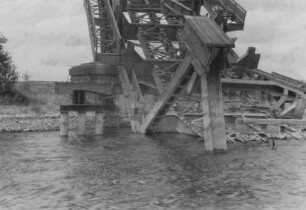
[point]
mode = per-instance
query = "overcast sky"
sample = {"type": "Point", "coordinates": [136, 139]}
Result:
{"type": "Point", "coordinates": [46, 37]}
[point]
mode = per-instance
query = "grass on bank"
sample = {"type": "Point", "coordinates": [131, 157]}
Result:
{"type": "Point", "coordinates": [32, 97]}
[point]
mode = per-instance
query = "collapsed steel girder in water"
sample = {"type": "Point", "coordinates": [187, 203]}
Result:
{"type": "Point", "coordinates": [167, 52]}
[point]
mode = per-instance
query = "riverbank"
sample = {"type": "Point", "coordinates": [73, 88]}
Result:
{"type": "Point", "coordinates": [14, 119]}
{"type": "Point", "coordinates": [51, 123]}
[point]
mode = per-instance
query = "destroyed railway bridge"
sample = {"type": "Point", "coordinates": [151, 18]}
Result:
{"type": "Point", "coordinates": [170, 67]}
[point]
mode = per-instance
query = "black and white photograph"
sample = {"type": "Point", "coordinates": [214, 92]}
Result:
{"type": "Point", "coordinates": [152, 105]}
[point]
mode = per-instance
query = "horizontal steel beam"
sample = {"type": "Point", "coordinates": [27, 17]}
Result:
{"type": "Point", "coordinates": [130, 30]}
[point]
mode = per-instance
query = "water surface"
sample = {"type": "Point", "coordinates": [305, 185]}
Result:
{"type": "Point", "coordinates": [122, 170]}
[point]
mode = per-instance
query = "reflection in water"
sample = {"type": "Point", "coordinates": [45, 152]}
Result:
{"type": "Point", "coordinates": [129, 171]}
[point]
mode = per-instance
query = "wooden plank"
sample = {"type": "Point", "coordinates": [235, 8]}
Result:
{"type": "Point", "coordinates": [244, 82]}
{"type": "Point", "coordinates": [288, 109]}
{"type": "Point", "coordinates": [281, 100]}
{"type": "Point", "coordinates": [278, 82]}
{"type": "Point", "coordinates": [198, 66]}
{"type": "Point", "coordinates": [204, 31]}
{"type": "Point", "coordinates": [297, 91]}
{"type": "Point", "coordinates": [293, 82]}
{"type": "Point", "coordinates": [301, 135]}
{"type": "Point", "coordinates": [272, 121]}
{"type": "Point", "coordinates": [260, 73]}
{"type": "Point", "coordinates": [300, 108]}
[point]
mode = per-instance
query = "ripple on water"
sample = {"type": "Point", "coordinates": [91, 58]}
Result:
{"type": "Point", "coordinates": [129, 171]}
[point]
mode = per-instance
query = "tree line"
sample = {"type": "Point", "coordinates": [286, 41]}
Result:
{"type": "Point", "coordinates": [8, 73]}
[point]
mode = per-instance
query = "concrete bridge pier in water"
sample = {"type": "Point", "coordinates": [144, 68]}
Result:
{"type": "Point", "coordinates": [81, 126]}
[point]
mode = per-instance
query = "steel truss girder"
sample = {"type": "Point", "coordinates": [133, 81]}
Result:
{"type": "Point", "coordinates": [156, 45]}
{"type": "Point", "coordinates": [104, 33]}
{"type": "Point", "coordinates": [144, 8]}
{"type": "Point", "coordinates": [226, 12]}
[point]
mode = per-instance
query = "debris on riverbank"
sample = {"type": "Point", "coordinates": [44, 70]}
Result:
{"type": "Point", "coordinates": [51, 122]}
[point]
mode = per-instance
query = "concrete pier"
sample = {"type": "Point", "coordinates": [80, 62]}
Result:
{"type": "Point", "coordinates": [99, 123]}
{"type": "Point", "coordinates": [216, 106]}
{"type": "Point", "coordinates": [208, 140]}
{"type": "Point", "coordinates": [81, 109]}
{"type": "Point", "coordinates": [64, 124]}
{"type": "Point", "coordinates": [212, 105]}
{"type": "Point", "coordinates": [81, 123]}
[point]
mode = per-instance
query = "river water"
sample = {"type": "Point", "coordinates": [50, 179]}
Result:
{"type": "Point", "coordinates": [122, 170]}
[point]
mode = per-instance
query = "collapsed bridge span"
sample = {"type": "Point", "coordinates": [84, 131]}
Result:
{"type": "Point", "coordinates": [172, 61]}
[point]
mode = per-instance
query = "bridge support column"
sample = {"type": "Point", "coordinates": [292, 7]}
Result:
{"type": "Point", "coordinates": [213, 109]}
{"type": "Point", "coordinates": [208, 140]}
{"type": "Point", "coordinates": [64, 124]}
{"type": "Point", "coordinates": [81, 123]}
{"type": "Point", "coordinates": [99, 123]}
{"type": "Point", "coordinates": [216, 112]}
{"type": "Point", "coordinates": [216, 106]}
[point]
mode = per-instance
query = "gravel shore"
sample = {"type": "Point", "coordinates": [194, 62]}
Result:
{"type": "Point", "coordinates": [51, 122]}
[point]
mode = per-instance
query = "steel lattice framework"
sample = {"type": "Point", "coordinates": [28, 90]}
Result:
{"type": "Point", "coordinates": [170, 54]}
